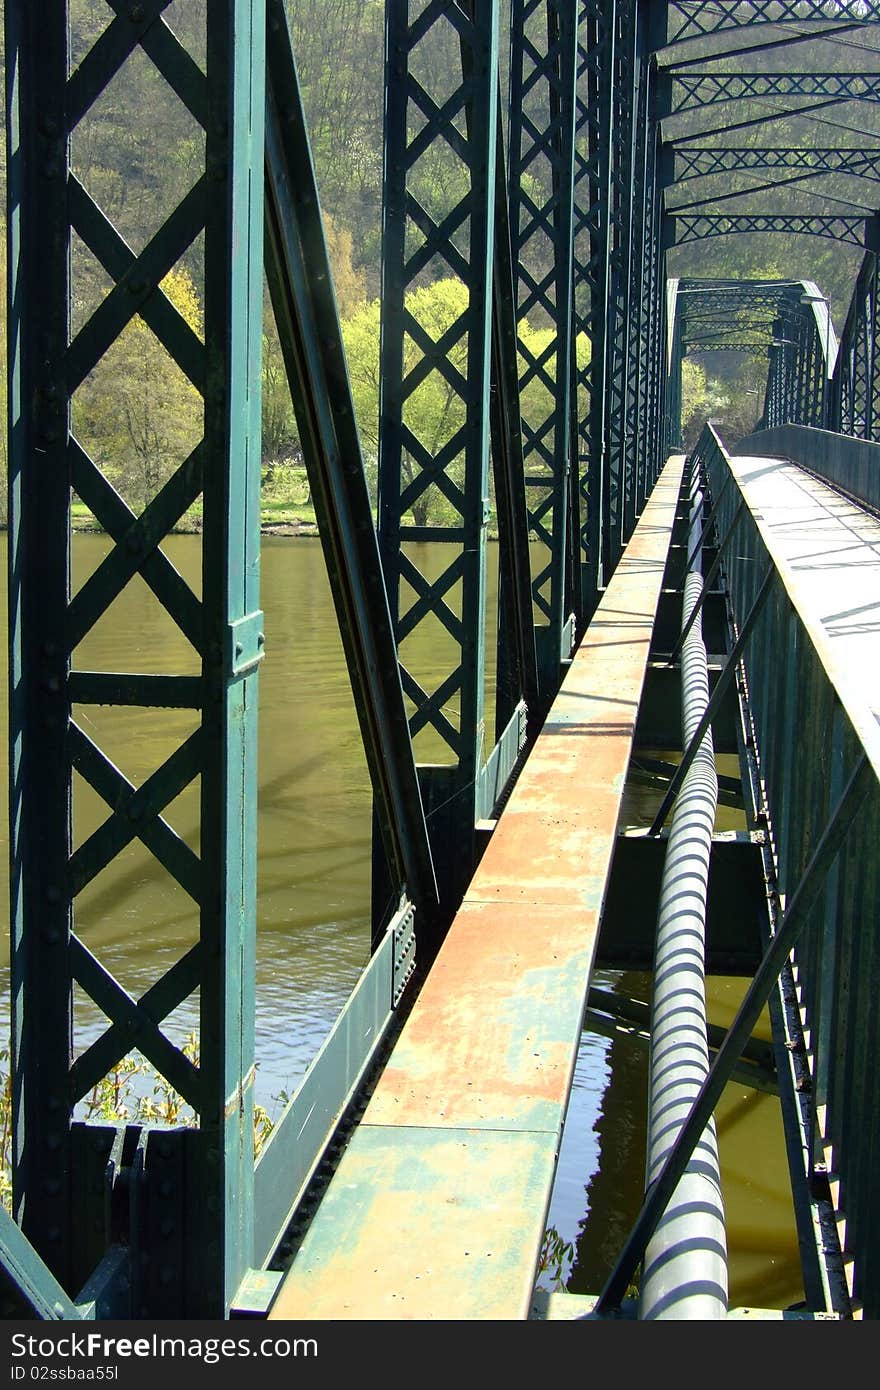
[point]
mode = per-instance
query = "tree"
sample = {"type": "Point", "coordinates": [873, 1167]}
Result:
{"type": "Point", "coordinates": [136, 413]}
{"type": "Point", "coordinates": [280, 434]}
{"type": "Point", "coordinates": [435, 411]}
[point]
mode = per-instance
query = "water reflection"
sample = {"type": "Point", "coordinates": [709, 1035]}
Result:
{"type": "Point", "coordinates": [313, 910]}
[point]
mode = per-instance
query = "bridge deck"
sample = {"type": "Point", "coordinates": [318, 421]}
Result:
{"type": "Point", "coordinates": [438, 1207]}
{"type": "Point", "coordinates": [827, 551]}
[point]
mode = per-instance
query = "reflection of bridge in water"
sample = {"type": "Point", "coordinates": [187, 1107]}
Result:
{"type": "Point", "coordinates": [723, 604]}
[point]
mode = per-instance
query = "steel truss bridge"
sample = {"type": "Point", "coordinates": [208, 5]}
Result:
{"type": "Point", "coordinates": [727, 601]}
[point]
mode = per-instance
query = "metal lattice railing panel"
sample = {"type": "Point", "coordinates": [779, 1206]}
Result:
{"type": "Point", "coordinates": [153, 304]}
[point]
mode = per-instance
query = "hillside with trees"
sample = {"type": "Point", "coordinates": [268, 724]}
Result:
{"type": "Point", "coordinates": [138, 151]}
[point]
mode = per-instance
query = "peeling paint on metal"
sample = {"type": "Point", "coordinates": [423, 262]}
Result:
{"type": "Point", "coordinates": [438, 1207]}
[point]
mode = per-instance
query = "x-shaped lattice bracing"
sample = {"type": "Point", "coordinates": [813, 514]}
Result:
{"type": "Point", "coordinates": [136, 290]}
{"type": "Point", "coordinates": [696, 19]}
{"type": "Point", "coordinates": [430, 598]}
{"type": "Point", "coordinates": [708, 89]}
{"type": "Point", "coordinates": [429, 708]}
{"type": "Point", "coordinates": [700, 227]}
{"type": "Point", "coordinates": [137, 546]}
{"type": "Point", "coordinates": [136, 812]}
{"type": "Point", "coordinates": [433, 469]}
{"type": "Point", "coordinates": [135, 1023]}
{"type": "Point", "coordinates": [438, 238]}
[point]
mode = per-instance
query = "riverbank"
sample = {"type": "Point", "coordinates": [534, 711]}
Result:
{"type": "Point", "coordinates": [294, 527]}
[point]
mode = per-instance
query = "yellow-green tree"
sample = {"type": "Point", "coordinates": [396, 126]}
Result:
{"type": "Point", "coordinates": [435, 410]}
{"type": "Point", "coordinates": [280, 434]}
{"type": "Point", "coordinates": [137, 414]}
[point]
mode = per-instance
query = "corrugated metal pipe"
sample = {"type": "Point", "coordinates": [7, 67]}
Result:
{"type": "Point", "coordinates": [684, 1272]}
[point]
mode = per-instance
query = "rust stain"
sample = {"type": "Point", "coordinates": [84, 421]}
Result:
{"type": "Point", "coordinates": [437, 1209]}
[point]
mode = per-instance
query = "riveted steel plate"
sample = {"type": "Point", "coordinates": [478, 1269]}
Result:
{"type": "Point", "coordinates": [425, 1224]}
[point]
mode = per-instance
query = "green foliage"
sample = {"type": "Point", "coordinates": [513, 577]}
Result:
{"type": "Point", "coordinates": [136, 413]}
{"type": "Point", "coordinates": [132, 1093]}
{"type": "Point", "coordinates": [555, 1260]}
{"type": "Point", "coordinates": [435, 411]}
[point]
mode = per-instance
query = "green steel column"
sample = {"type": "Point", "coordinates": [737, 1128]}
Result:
{"type": "Point", "coordinates": [618, 418]}
{"type": "Point", "coordinates": [441, 105]}
{"type": "Point", "coordinates": [233, 640]}
{"type": "Point", "coordinates": [50, 743]}
{"type": "Point", "coordinates": [542, 125]}
{"type": "Point", "coordinates": [593, 243]}
{"type": "Point", "coordinates": [39, 557]}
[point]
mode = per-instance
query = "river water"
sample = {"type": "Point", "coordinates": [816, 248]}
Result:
{"type": "Point", "coordinates": [313, 914]}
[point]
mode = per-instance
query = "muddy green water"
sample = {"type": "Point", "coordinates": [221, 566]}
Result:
{"type": "Point", "coordinates": [313, 912]}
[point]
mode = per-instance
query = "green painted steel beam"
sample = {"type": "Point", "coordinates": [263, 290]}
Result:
{"type": "Point", "coordinates": [414, 469]}
{"type": "Point", "coordinates": [688, 19]}
{"type": "Point", "coordinates": [48, 209]}
{"type": "Point", "coordinates": [701, 226]}
{"type": "Point", "coordinates": [542, 130]}
{"type": "Point", "coordinates": [300, 282]}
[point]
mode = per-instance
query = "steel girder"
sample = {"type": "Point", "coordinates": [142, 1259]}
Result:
{"type": "Point", "coordinates": [52, 752]}
{"type": "Point", "coordinates": [855, 389]}
{"type": "Point", "coordinates": [788, 320]}
{"type": "Point", "coordinates": [702, 226]}
{"type": "Point", "coordinates": [696, 161]}
{"type": "Point", "coordinates": [619, 280]}
{"type": "Point", "coordinates": [593, 227]}
{"type": "Point", "coordinates": [708, 89]}
{"type": "Point", "coordinates": [689, 19]}
{"type": "Point", "coordinates": [542, 127]}
{"type": "Point", "coordinates": [459, 123]}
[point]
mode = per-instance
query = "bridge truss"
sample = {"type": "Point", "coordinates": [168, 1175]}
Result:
{"type": "Point", "coordinates": [581, 139]}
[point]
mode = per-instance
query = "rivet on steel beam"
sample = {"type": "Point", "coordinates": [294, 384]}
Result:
{"type": "Point", "coordinates": [136, 13]}
{"type": "Point", "coordinates": [52, 1187]}
{"type": "Point", "coordinates": [53, 1234]}
{"type": "Point", "coordinates": [53, 894]}
{"type": "Point", "coordinates": [166, 1188]}
{"type": "Point", "coordinates": [165, 1149]}
{"type": "Point", "coordinates": [53, 1142]}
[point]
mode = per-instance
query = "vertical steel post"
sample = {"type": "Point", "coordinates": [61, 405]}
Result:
{"type": "Point", "coordinates": [224, 627]}
{"type": "Point", "coordinates": [625, 100]}
{"type": "Point", "coordinates": [594, 217]}
{"type": "Point", "coordinates": [542, 119]}
{"type": "Point", "coordinates": [39, 560]}
{"type": "Point", "coordinates": [414, 470]}
{"type": "Point", "coordinates": [233, 641]}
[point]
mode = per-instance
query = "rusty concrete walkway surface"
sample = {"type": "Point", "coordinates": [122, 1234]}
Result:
{"type": "Point", "coordinates": [437, 1209]}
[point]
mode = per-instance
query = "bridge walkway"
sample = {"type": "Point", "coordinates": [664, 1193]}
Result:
{"type": "Point", "coordinates": [826, 547]}
{"type": "Point", "coordinates": [438, 1207]}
